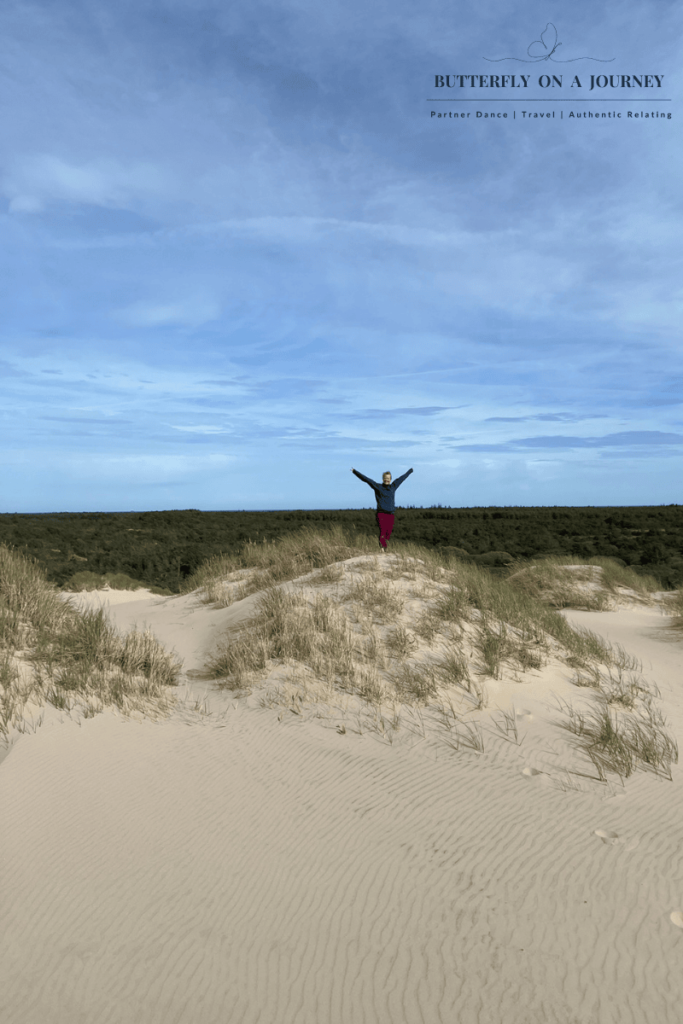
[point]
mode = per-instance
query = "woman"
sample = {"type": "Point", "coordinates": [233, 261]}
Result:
{"type": "Point", "coordinates": [384, 493]}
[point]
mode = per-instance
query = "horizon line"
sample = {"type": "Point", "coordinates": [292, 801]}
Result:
{"type": "Point", "coordinates": [399, 508]}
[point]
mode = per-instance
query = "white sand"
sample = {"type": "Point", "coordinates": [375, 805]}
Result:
{"type": "Point", "coordinates": [249, 867]}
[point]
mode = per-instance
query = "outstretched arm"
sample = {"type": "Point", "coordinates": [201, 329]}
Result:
{"type": "Point", "coordinates": [401, 479]}
{"type": "Point", "coordinates": [365, 478]}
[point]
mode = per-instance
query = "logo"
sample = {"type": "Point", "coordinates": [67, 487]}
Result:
{"type": "Point", "coordinates": [543, 49]}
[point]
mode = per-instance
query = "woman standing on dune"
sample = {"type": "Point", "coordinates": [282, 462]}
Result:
{"type": "Point", "coordinates": [384, 493]}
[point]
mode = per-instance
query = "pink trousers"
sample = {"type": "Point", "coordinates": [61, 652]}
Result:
{"type": "Point", "coordinates": [385, 521]}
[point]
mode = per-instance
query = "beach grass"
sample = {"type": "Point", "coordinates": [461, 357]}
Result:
{"type": "Point", "coordinates": [403, 631]}
{"type": "Point", "coordinates": [509, 623]}
{"type": "Point", "coordinates": [472, 625]}
{"type": "Point", "coordinates": [619, 742]}
{"type": "Point", "coordinates": [258, 566]}
{"type": "Point", "coordinates": [594, 585]}
{"type": "Point", "coordinates": [369, 599]}
{"type": "Point", "coordinates": [52, 653]}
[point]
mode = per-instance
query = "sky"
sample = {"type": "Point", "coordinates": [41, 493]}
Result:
{"type": "Point", "coordinates": [240, 254]}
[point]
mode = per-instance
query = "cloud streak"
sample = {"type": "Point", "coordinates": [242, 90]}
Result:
{"type": "Point", "coordinates": [624, 439]}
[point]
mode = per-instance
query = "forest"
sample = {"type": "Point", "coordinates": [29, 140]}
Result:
{"type": "Point", "coordinates": [162, 549]}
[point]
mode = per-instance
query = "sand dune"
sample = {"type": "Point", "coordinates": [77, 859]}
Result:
{"type": "Point", "coordinates": [245, 866]}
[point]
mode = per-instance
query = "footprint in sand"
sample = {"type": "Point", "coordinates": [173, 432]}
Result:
{"type": "Point", "coordinates": [523, 713]}
{"type": "Point", "coordinates": [676, 917]}
{"type": "Point", "coordinates": [607, 837]}
{"type": "Point", "coordinates": [540, 778]}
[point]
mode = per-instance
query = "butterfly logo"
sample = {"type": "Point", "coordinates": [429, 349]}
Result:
{"type": "Point", "coordinates": [544, 48]}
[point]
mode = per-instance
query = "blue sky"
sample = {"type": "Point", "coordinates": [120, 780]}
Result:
{"type": "Point", "coordinates": [239, 256]}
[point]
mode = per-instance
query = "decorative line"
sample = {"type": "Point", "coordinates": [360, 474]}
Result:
{"type": "Point", "coordinates": [550, 45]}
{"type": "Point", "coordinates": [564, 99]}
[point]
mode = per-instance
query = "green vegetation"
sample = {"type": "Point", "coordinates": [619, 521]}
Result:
{"type": "Point", "coordinates": [164, 549]}
{"type": "Point", "coordinates": [50, 652]}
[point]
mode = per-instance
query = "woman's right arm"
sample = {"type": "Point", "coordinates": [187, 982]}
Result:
{"type": "Point", "coordinates": [365, 478]}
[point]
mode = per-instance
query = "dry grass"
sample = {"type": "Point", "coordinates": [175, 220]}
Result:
{"type": "Point", "coordinates": [274, 562]}
{"type": "Point", "coordinates": [623, 730]}
{"type": "Point", "coordinates": [674, 609]}
{"type": "Point", "coordinates": [367, 622]}
{"type": "Point", "coordinates": [400, 642]}
{"type": "Point", "coordinates": [366, 640]}
{"type": "Point", "coordinates": [50, 652]}
{"type": "Point", "coordinates": [619, 741]}
{"type": "Point", "coordinates": [593, 586]}
{"type": "Point", "coordinates": [376, 596]}
{"type": "Point", "coordinates": [357, 642]}
{"type": "Point", "coordinates": [287, 627]}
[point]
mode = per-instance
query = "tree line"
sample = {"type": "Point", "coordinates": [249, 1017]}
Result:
{"type": "Point", "coordinates": [163, 548]}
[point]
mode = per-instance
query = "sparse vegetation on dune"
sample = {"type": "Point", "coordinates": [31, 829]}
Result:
{"type": "Point", "coordinates": [50, 652]}
{"type": "Point", "coordinates": [593, 585]}
{"type": "Point", "coordinates": [674, 608]}
{"type": "Point", "coordinates": [420, 629]}
{"type": "Point", "coordinates": [114, 581]}
{"type": "Point", "coordinates": [366, 638]}
{"type": "Point", "coordinates": [619, 740]}
{"type": "Point", "coordinates": [230, 577]}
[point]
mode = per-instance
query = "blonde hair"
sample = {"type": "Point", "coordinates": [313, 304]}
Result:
{"type": "Point", "coordinates": [386, 473]}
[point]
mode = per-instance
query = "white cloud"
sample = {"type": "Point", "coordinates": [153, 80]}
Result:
{"type": "Point", "coordinates": [201, 429]}
{"type": "Point", "coordinates": [32, 182]}
{"type": "Point", "coordinates": [192, 312]}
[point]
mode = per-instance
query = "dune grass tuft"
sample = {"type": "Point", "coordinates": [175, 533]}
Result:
{"type": "Point", "coordinates": [618, 742]}
{"type": "Point", "coordinates": [286, 627]}
{"type": "Point", "coordinates": [594, 585]}
{"type": "Point", "coordinates": [51, 652]}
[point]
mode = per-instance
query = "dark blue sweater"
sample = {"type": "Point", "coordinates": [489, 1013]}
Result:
{"type": "Point", "coordinates": [384, 494]}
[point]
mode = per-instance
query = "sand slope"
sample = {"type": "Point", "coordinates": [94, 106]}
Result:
{"type": "Point", "coordinates": [248, 867]}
